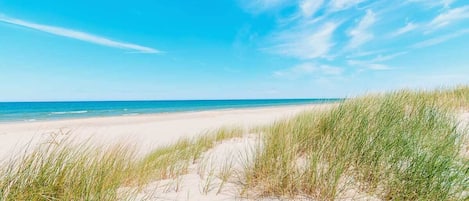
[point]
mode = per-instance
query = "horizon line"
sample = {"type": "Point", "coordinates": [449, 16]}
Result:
{"type": "Point", "coordinates": [156, 100]}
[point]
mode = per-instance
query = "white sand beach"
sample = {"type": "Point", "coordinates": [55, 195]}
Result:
{"type": "Point", "coordinates": [147, 131]}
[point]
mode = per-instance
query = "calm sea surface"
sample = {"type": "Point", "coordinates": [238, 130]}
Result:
{"type": "Point", "coordinates": [37, 111]}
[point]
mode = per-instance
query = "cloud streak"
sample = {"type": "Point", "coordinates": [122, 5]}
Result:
{"type": "Point", "coordinates": [360, 34]}
{"type": "Point", "coordinates": [368, 65]}
{"type": "Point", "coordinates": [375, 63]}
{"type": "Point", "coordinates": [433, 3]}
{"type": "Point", "coordinates": [336, 5]}
{"type": "Point", "coordinates": [407, 28]}
{"type": "Point", "coordinates": [308, 69]}
{"type": "Point", "coordinates": [78, 35]}
{"type": "Point", "coordinates": [259, 6]}
{"type": "Point", "coordinates": [310, 7]}
{"type": "Point", "coordinates": [450, 16]}
{"type": "Point", "coordinates": [305, 44]}
{"type": "Point", "coordinates": [440, 39]}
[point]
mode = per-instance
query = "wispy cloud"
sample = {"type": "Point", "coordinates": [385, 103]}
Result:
{"type": "Point", "coordinates": [368, 65]}
{"type": "Point", "coordinates": [358, 54]}
{"type": "Point", "coordinates": [79, 35]}
{"type": "Point", "coordinates": [378, 67]}
{"type": "Point", "coordinates": [360, 34]}
{"type": "Point", "coordinates": [433, 3]}
{"type": "Point", "coordinates": [336, 5]}
{"type": "Point", "coordinates": [258, 6]}
{"type": "Point", "coordinates": [310, 7]}
{"type": "Point", "coordinates": [440, 39]}
{"type": "Point", "coordinates": [375, 63]}
{"type": "Point", "coordinates": [308, 69]}
{"type": "Point", "coordinates": [449, 16]}
{"type": "Point", "coordinates": [447, 3]}
{"type": "Point", "coordinates": [407, 28]}
{"type": "Point", "coordinates": [305, 44]}
{"type": "Point", "coordinates": [381, 58]}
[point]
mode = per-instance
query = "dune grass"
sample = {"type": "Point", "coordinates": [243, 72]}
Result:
{"type": "Point", "coordinates": [396, 146]}
{"type": "Point", "coordinates": [64, 171]}
{"type": "Point", "coordinates": [61, 170]}
{"type": "Point", "coordinates": [172, 161]}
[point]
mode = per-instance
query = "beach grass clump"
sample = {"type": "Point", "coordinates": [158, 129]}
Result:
{"type": "Point", "coordinates": [456, 98]}
{"type": "Point", "coordinates": [66, 171]}
{"type": "Point", "coordinates": [172, 161]}
{"type": "Point", "coordinates": [396, 146]}
{"type": "Point", "coordinates": [63, 170]}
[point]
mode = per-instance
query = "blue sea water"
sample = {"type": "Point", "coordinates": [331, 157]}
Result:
{"type": "Point", "coordinates": [38, 111]}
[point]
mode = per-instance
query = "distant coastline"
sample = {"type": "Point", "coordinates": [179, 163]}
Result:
{"type": "Point", "coordinates": [43, 111]}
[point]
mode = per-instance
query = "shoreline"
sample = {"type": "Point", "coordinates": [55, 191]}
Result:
{"type": "Point", "coordinates": [147, 130]}
{"type": "Point", "coordinates": [150, 115]}
{"type": "Point", "coordinates": [137, 113]}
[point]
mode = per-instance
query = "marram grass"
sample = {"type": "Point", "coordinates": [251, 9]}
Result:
{"type": "Point", "coordinates": [396, 146]}
{"type": "Point", "coordinates": [172, 161]}
{"type": "Point", "coordinates": [62, 170]}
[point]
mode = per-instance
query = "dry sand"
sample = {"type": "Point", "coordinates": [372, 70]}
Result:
{"type": "Point", "coordinates": [148, 131]}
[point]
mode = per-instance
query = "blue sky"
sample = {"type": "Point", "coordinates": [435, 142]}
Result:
{"type": "Point", "coordinates": [228, 49]}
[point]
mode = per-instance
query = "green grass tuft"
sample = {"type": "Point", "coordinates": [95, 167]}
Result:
{"type": "Point", "coordinates": [64, 171]}
{"type": "Point", "coordinates": [397, 146]}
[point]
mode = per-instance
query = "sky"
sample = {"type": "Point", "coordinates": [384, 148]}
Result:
{"type": "Point", "coordinates": [228, 49]}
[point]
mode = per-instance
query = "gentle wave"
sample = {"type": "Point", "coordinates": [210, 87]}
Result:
{"type": "Point", "coordinates": [70, 112]}
{"type": "Point", "coordinates": [39, 111]}
{"type": "Point", "coordinates": [131, 114]}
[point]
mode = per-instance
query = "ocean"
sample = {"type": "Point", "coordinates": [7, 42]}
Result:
{"type": "Point", "coordinates": [40, 111]}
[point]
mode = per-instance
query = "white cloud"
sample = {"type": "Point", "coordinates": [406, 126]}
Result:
{"type": "Point", "coordinates": [449, 16]}
{"type": "Point", "coordinates": [364, 53]}
{"type": "Point", "coordinates": [433, 3]}
{"type": "Point", "coordinates": [407, 28]}
{"type": "Point", "coordinates": [258, 6]}
{"type": "Point", "coordinates": [440, 39]}
{"type": "Point", "coordinates": [375, 63]}
{"type": "Point", "coordinates": [381, 58]}
{"type": "Point", "coordinates": [308, 69]}
{"type": "Point", "coordinates": [336, 5]}
{"type": "Point", "coordinates": [331, 70]}
{"type": "Point", "coordinates": [360, 34]}
{"type": "Point", "coordinates": [447, 3]}
{"type": "Point", "coordinates": [305, 44]}
{"type": "Point", "coordinates": [378, 67]}
{"type": "Point", "coordinates": [310, 7]}
{"type": "Point", "coordinates": [368, 65]}
{"type": "Point", "coordinates": [78, 35]}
